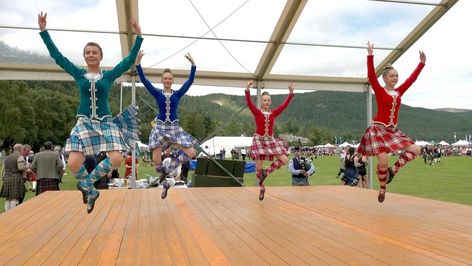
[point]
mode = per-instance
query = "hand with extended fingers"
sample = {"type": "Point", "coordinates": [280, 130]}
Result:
{"type": "Point", "coordinates": [42, 21]}
{"type": "Point", "coordinates": [290, 88]}
{"type": "Point", "coordinates": [190, 58]}
{"type": "Point", "coordinates": [136, 27]}
{"type": "Point", "coordinates": [249, 84]}
{"type": "Point", "coordinates": [139, 57]}
{"type": "Point", "coordinates": [422, 57]}
{"type": "Point", "coordinates": [370, 48]}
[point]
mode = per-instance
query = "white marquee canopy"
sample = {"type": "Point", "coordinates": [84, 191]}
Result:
{"type": "Point", "coordinates": [272, 41]}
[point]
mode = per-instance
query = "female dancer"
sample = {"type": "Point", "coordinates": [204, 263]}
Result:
{"type": "Point", "coordinates": [350, 170]}
{"type": "Point", "coordinates": [167, 131]}
{"type": "Point", "coordinates": [96, 130]}
{"type": "Point", "coordinates": [360, 161]}
{"type": "Point", "coordinates": [383, 136]}
{"type": "Point", "coordinates": [264, 145]}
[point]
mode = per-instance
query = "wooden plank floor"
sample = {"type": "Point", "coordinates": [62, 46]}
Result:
{"type": "Point", "coordinates": [332, 225]}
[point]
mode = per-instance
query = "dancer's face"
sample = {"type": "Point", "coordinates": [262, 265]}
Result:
{"type": "Point", "coordinates": [391, 78]}
{"type": "Point", "coordinates": [266, 101]}
{"type": "Point", "coordinates": [167, 80]}
{"type": "Point", "coordinates": [92, 55]}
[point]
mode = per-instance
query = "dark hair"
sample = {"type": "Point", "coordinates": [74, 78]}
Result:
{"type": "Point", "coordinates": [167, 70]}
{"type": "Point", "coordinates": [48, 145]}
{"type": "Point", "coordinates": [351, 150]}
{"type": "Point", "coordinates": [265, 93]}
{"type": "Point", "coordinates": [96, 45]}
{"type": "Point", "coordinates": [387, 68]}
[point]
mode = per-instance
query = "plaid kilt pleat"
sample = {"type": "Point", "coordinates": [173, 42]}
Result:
{"type": "Point", "coordinates": [378, 139]}
{"type": "Point", "coordinates": [47, 184]}
{"type": "Point", "coordinates": [110, 134]}
{"type": "Point", "coordinates": [13, 188]}
{"type": "Point", "coordinates": [165, 135]}
{"type": "Point", "coordinates": [266, 148]}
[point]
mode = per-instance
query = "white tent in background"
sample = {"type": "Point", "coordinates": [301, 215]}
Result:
{"type": "Point", "coordinates": [461, 143]}
{"type": "Point", "coordinates": [215, 144]}
{"type": "Point", "coordinates": [443, 143]}
{"type": "Point", "coordinates": [328, 145]}
{"type": "Point", "coordinates": [345, 144]}
{"type": "Point", "coordinates": [422, 143]}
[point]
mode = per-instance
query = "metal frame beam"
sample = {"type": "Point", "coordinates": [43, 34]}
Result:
{"type": "Point", "coordinates": [416, 33]}
{"type": "Point", "coordinates": [283, 28]}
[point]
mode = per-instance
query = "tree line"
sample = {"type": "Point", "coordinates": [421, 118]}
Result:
{"type": "Point", "coordinates": [36, 111]}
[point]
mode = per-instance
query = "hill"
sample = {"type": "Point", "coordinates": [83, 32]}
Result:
{"type": "Point", "coordinates": [320, 116]}
{"type": "Point", "coordinates": [342, 114]}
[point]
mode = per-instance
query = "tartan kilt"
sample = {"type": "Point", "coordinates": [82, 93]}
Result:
{"type": "Point", "coordinates": [47, 184]}
{"type": "Point", "coordinates": [266, 148]}
{"type": "Point", "coordinates": [110, 134]}
{"type": "Point", "coordinates": [378, 139]}
{"type": "Point", "coordinates": [13, 188]}
{"type": "Point", "coordinates": [165, 134]}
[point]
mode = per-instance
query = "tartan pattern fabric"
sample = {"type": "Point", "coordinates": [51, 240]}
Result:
{"type": "Point", "coordinates": [127, 122]}
{"type": "Point", "coordinates": [47, 184]}
{"type": "Point", "coordinates": [404, 158]}
{"type": "Point", "coordinates": [266, 148]}
{"type": "Point", "coordinates": [110, 134]}
{"type": "Point", "coordinates": [378, 139]}
{"type": "Point", "coordinates": [165, 134]}
{"type": "Point", "coordinates": [13, 188]}
{"type": "Point", "coordinates": [82, 173]}
{"type": "Point", "coordinates": [100, 170]}
{"type": "Point", "coordinates": [274, 166]}
{"type": "Point", "coordinates": [382, 175]}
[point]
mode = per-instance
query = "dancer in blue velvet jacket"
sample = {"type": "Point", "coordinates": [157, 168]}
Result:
{"type": "Point", "coordinates": [96, 130]}
{"type": "Point", "coordinates": [167, 131]}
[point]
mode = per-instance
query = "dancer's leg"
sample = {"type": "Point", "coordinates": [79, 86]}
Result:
{"type": "Point", "coordinates": [281, 161]}
{"type": "Point", "coordinates": [410, 153]}
{"type": "Point", "coordinates": [382, 166]}
{"type": "Point", "coordinates": [260, 176]}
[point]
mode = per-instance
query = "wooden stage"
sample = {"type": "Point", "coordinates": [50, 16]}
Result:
{"type": "Point", "coordinates": [334, 225]}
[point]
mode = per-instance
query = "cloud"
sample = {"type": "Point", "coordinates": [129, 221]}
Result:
{"type": "Point", "coordinates": [445, 81]}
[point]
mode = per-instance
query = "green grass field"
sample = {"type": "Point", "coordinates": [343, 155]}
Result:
{"type": "Point", "coordinates": [446, 181]}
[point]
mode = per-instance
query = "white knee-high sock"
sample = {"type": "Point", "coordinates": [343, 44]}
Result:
{"type": "Point", "coordinates": [14, 203]}
{"type": "Point", "coordinates": [7, 205]}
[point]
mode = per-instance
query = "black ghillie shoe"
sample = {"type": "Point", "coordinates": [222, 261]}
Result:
{"type": "Point", "coordinates": [165, 188]}
{"type": "Point", "coordinates": [381, 196]}
{"type": "Point", "coordinates": [261, 194]}
{"type": "Point", "coordinates": [84, 192]}
{"type": "Point", "coordinates": [94, 194]}
{"type": "Point", "coordinates": [391, 175]}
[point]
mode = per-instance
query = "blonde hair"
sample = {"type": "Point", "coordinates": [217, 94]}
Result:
{"type": "Point", "coordinates": [387, 69]}
{"type": "Point", "coordinates": [167, 70]}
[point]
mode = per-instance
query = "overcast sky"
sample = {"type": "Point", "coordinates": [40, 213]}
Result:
{"type": "Point", "coordinates": [446, 81]}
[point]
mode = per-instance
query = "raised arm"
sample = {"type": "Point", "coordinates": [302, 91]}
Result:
{"type": "Point", "coordinates": [153, 91]}
{"type": "Point", "coordinates": [374, 82]}
{"type": "Point", "coordinates": [412, 78]}
{"type": "Point", "coordinates": [247, 94]}
{"type": "Point", "coordinates": [60, 60]}
{"type": "Point", "coordinates": [186, 86]}
{"type": "Point", "coordinates": [277, 111]}
{"type": "Point", "coordinates": [128, 61]}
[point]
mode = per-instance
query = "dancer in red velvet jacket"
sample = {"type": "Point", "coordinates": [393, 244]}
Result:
{"type": "Point", "coordinates": [383, 136]}
{"type": "Point", "coordinates": [264, 145]}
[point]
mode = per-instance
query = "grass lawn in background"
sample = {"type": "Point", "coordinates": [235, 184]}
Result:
{"type": "Point", "coordinates": [449, 180]}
